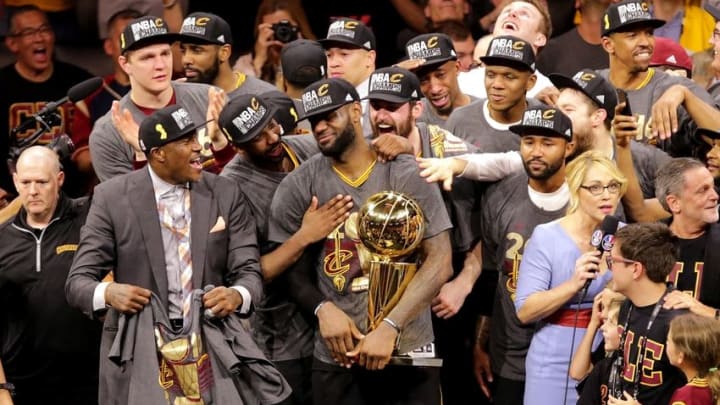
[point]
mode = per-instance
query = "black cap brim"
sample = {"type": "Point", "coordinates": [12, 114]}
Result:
{"type": "Point", "coordinates": [390, 98]}
{"type": "Point", "coordinates": [524, 130]}
{"type": "Point", "coordinates": [340, 42]}
{"type": "Point", "coordinates": [511, 63]}
{"type": "Point", "coordinates": [653, 23]}
{"type": "Point", "coordinates": [169, 38]}
{"type": "Point", "coordinates": [198, 39]}
{"type": "Point", "coordinates": [564, 82]}
{"type": "Point", "coordinates": [431, 64]}
{"type": "Point", "coordinates": [324, 110]}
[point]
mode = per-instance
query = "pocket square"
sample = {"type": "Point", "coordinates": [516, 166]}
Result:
{"type": "Point", "coordinates": [219, 225]}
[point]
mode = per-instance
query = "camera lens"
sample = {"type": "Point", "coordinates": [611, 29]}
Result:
{"type": "Point", "coordinates": [285, 32]}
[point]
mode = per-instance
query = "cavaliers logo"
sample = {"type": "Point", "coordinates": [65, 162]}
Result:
{"type": "Point", "coordinates": [587, 76]}
{"type": "Point", "coordinates": [255, 104]}
{"type": "Point", "coordinates": [351, 25]}
{"type": "Point", "coordinates": [202, 21]}
{"type": "Point", "coordinates": [549, 114]}
{"type": "Point", "coordinates": [518, 45]}
{"type": "Point", "coordinates": [432, 42]}
{"type": "Point", "coordinates": [323, 90]}
{"type": "Point", "coordinates": [396, 78]}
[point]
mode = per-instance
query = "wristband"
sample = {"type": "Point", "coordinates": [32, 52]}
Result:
{"type": "Point", "coordinates": [317, 308]}
{"type": "Point", "coordinates": [392, 324]}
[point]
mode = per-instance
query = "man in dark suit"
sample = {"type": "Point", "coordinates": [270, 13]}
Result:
{"type": "Point", "coordinates": [164, 231]}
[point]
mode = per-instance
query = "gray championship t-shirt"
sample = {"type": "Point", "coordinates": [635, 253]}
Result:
{"type": "Point", "coordinates": [647, 159]}
{"type": "Point", "coordinates": [473, 124]}
{"type": "Point", "coordinates": [338, 263]}
{"type": "Point", "coordinates": [430, 116]}
{"type": "Point", "coordinates": [641, 101]}
{"type": "Point", "coordinates": [278, 326]}
{"type": "Point", "coordinates": [508, 219]}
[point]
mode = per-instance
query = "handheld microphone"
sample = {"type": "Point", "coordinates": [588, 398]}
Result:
{"type": "Point", "coordinates": [603, 240]}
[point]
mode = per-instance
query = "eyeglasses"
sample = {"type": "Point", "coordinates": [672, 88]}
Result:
{"type": "Point", "coordinates": [610, 260]}
{"type": "Point", "coordinates": [43, 30]}
{"type": "Point", "coordinates": [597, 189]}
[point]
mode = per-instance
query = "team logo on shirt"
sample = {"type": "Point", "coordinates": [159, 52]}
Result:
{"type": "Point", "coordinates": [340, 261]}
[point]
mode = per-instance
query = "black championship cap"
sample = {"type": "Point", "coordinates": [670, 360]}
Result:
{"type": "Point", "coordinates": [244, 118]}
{"type": "Point", "coordinates": [435, 48]}
{"type": "Point", "coordinates": [327, 95]}
{"type": "Point", "coordinates": [303, 62]}
{"type": "Point", "coordinates": [594, 86]}
{"type": "Point", "coordinates": [507, 50]}
{"type": "Point", "coordinates": [349, 32]}
{"type": "Point", "coordinates": [626, 15]}
{"type": "Point", "coordinates": [205, 28]}
{"type": "Point", "coordinates": [145, 31]}
{"type": "Point", "coordinates": [286, 114]}
{"type": "Point", "coordinates": [164, 126]}
{"type": "Point", "coordinates": [394, 84]}
{"type": "Point", "coordinates": [544, 121]}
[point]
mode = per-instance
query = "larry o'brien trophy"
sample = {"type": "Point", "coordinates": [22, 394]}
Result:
{"type": "Point", "coordinates": [390, 226]}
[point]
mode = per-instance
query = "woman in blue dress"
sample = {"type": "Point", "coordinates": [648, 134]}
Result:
{"type": "Point", "coordinates": [558, 260]}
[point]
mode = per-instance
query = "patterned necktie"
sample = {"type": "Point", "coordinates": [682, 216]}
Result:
{"type": "Point", "coordinates": [174, 209]}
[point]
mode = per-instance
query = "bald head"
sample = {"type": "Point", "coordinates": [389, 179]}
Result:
{"type": "Point", "coordinates": [40, 156]}
{"type": "Point", "coordinates": [38, 179]}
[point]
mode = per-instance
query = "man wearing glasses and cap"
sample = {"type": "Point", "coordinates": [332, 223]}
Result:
{"type": "Point", "coordinates": [165, 231]}
{"type": "Point", "coordinates": [350, 363]}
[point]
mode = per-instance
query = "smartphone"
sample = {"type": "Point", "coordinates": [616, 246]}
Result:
{"type": "Point", "coordinates": [622, 98]}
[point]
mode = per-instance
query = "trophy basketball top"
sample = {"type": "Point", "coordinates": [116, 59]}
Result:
{"type": "Point", "coordinates": [391, 224]}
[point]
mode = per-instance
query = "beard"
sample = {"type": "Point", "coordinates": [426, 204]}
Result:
{"type": "Point", "coordinates": [208, 76]}
{"type": "Point", "coordinates": [342, 141]}
{"type": "Point", "coordinates": [550, 169]}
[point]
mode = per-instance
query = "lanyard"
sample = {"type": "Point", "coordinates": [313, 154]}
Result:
{"type": "Point", "coordinates": [616, 385]}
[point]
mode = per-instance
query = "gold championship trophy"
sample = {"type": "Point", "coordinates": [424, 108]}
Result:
{"type": "Point", "coordinates": [390, 226]}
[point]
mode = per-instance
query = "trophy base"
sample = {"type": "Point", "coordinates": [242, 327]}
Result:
{"type": "Point", "coordinates": [421, 357]}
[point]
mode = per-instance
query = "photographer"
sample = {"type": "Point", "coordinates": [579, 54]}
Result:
{"type": "Point", "coordinates": [278, 22]}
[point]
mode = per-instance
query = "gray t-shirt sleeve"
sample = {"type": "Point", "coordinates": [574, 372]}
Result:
{"type": "Point", "coordinates": [111, 156]}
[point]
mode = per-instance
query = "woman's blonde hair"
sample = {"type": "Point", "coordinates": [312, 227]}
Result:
{"type": "Point", "coordinates": [578, 168]}
{"type": "Point", "coordinates": [698, 339]}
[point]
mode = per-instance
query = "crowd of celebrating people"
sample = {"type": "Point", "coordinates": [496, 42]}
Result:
{"type": "Point", "coordinates": [203, 228]}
